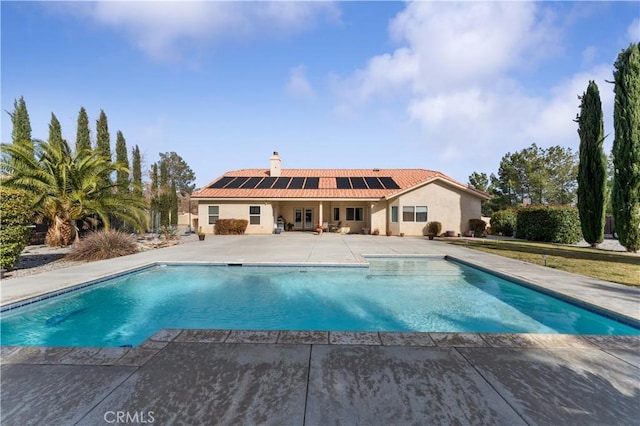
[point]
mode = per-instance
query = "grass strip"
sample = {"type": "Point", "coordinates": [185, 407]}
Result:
{"type": "Point", "coordinates": [616, 267]}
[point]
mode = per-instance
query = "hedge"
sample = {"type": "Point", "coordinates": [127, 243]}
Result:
{"type": "Point", "coordinates": [549, 224]}
{"type": "Point", "coordinates": [15, 215]}
{"type": "Point", "coordinates": [503, 222]}
{"type": "Point", "coordinates": [230, 226]}
{"type": "Point", "coordinates": [434, 228]}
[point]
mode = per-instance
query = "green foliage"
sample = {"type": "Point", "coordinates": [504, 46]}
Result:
{"type": "Point", "coordinates": [543, 176]}
{"type": "Point", "coordinates": [626, 147]}
{"type": "Point", "coordinates": [21, 133]}
{"type": "Point", "coordinates": [231, 226]}
{"type": "Point", "coordinates": [15, 215]}
{"type": "Point", "coordinates": [55, 131]}
{"type": "Point", "coordinates": [550, 224]}
{"type": "Point", "coordinates": [503, 222]}
{"type": "Point", "coordinates": [592, 169]}
{"type": "Point", "coordinates": [103, 139]}
{"type": "Point", "coordinates": [480, 181]}
{"type": "Point", "coordinates": [83, 134]}
{"type": "Point", "coordinates": [122, 160]}
{"type": "Point", "coordinates": [434, 228]}
{"type": "Point", "coordinates": [136, 171]}
{"type": "Point", "coordinates": [168, 233]}
{"type": "Point", "coordinates": [477, 225]}
{"type": "Point", "coordinates": [67, 186]}
{"type": "Point", "coordinates": [178, 172]}
{"type": "Point", "coordinates": [103, 245]}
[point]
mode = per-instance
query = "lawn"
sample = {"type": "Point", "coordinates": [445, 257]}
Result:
{"type": "Point", "coordinates": [618, 267]}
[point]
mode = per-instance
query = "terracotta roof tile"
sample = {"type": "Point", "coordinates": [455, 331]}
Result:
{"type": "Point", "coordinates": [405, 178]}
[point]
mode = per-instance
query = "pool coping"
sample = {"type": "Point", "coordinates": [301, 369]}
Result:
{"type": "Point", "coordinates": [141, 354]}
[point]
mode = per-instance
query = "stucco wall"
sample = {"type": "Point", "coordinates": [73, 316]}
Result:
{"type": "Point", "coordinates": [446, 204]}
{"type": "Point", "coordinates": [237, 210]}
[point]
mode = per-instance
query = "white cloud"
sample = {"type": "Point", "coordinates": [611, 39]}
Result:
{"type": "Point", "coordinates": [161, 28]}
{"type": "Point", "coordinates": [445, 45]}
{"type": "Point", "coordinates": [298, 86]}
{"type": "Point", "coordinates": [634, 31]}
{"type": "Point", "coordinates": [453, 70]}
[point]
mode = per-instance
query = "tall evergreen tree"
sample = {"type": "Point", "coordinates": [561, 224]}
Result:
{"type": "Point", "coordinates": [626, 147]}
{"type": "Point", "coordinates": [83, 134]}
{"type": "Point", "coordinates": [21, 133]}
{"type": "Point", "coordinates": [122, 160]}
{"type": "Point", "coordinates": [592, 169]}
{"type": "Point", "coordinates": [103, 140]}
{"type": "Point", "coordinates": [55, 131]}
{"type": "Point", "coordinates": [136, 171]}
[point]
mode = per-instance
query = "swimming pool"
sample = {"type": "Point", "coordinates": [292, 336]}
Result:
{"type": "Point", "coordinates": [412, 294]}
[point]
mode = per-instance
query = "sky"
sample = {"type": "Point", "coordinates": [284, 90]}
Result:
{"type": "Point", "coordinates": [443, 86]}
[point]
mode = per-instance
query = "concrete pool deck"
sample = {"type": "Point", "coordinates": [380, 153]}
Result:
{"type": "Point", "coordinates": [317, 378]}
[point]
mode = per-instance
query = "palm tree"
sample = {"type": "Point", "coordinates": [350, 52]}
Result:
{"type": "Point", "coordinates": [67, 186]}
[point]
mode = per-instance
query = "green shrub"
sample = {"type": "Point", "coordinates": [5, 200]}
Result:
{"type": "Point", "coordinates": [15, 216]}
{"type": "Point", "coordinates": [434, 228]}
{"type": "Point", "coordinates": [168, 232]}
{"type": "Point", "coordinates": [102, 245]}
{"type": "Point", "coordinates": [549, 224]}
{"type": "Point", "coordinates": [477, 226]}
{"type": "Point", "coordinates": [230, 226]}
{"type": "Point", "coordinates": [503, 222]}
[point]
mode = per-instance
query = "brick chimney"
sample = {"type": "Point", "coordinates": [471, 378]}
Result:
{"type": "Point", "coordinates": [274, 162]}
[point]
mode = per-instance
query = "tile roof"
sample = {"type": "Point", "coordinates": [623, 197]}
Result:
{"type": "Point", "coordinates": [327, 188]}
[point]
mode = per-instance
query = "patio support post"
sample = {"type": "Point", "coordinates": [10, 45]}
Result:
{"type": "Point", "coordinates": [320, 219]}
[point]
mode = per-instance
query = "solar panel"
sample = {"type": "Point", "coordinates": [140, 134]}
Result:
{"type": "Point", "coordinates": [373, 183]}
{"type": "Point", "coordinates": [343, 183]}
{"type": "Point", "coordinates": [358, 183]}
{"type": "Point", "coordinates": [220, 183]}
{"type": "Point", "coordinates": [389, 183]}
{"type": "Point", "coordinates": [266, 182]}
{"type": "Point", "coordinates": [237, 182]}
{"type": "Point", "coordinates": [296, 183]}
{"type": "Point", "coordinates": [251, 183]}
{"type": "Point", "coordinates": [281, 183]}
{"type": "Point", "coordinates": [312, 183]}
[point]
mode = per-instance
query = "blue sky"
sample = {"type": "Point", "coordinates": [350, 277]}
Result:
{"type": "Point", "coordinates": [434, 85]}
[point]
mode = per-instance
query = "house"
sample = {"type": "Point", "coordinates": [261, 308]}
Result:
{"type": "Point", "coordinates": [345, 200]}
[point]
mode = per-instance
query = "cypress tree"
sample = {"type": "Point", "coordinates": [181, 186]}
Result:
{"type": "Point", "coordinates": [122, 159]}
{"type": "Point", "coordinates": [136, 171]}
{"type": "Point", "coordinates": [592, 169]}
{"type": "Point", "coordinates": [83, 134]}
{"type": "Point", "coordinates": [21, 133]}
{"type": "Point", "coordinates": [626, 147]}
{"type": "Point", "coordinates": [55, 131]}
{"type": "Point", "coordinates": [103, 140]}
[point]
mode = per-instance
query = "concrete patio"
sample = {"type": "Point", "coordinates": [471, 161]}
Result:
{"type": "Point", "coordinates": [317, 378]}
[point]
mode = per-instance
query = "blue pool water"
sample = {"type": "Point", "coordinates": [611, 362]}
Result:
{"type": "Point", "coordinates": [391, 295]}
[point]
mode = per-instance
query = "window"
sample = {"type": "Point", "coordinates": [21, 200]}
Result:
{"type": "Point", "coordinates": [214, 213]}
{"type": "Point", "coordinates": [394, 213]}
{"type": "Point", "coordinates": [421, 213]}
{"type": "Point", "coordinates": [414, 213]}
{"type": "Point", "coordinates": [408, 214]}
{"type": "Point", "coordinates": [254, 215]}
{"type": "Point", "coordinates": [336, 214]}
{"type": "Point", "coordinates": [355, 214]}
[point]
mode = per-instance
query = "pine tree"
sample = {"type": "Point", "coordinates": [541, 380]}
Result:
{"type": "Point", "coordinates": [21, 133]}
{"type": "Point", "coordinates": [55, 131]}
{"type": "Point", "coordinates": [626, 147]}
{"type": "Point", "coordinates": [136, 171]}
{"type": "Point", "coordinates": [83, 134]}
{"type": "Point", "coordinates": [122, 160]}
{"type": "Point", "coordinates": [592, 169]}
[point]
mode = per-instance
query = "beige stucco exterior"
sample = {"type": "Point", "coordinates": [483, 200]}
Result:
{"type": "Point", "coordinates": [447, 203]}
